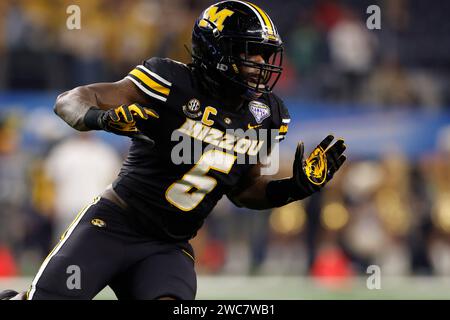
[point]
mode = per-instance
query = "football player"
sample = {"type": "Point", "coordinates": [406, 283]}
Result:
{"type": "Point", "coordinates": [135, 236]}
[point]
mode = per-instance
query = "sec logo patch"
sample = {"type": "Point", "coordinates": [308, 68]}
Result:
{"type": "Point", "coordinates": [192, 109]}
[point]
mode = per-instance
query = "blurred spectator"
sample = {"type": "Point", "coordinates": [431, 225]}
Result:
{"type": "Point", "coordinates": [420, 236]}
{"type": "Point", "coordinates": [304, 42]}
{"type": "Point", "coordinates": [81, 168]}
{"type": "Point", "coordinates": [330, 52]}
{"type": "Point", "coordinates": [13, 182]}
{"type": "Point", "coordinates": [306, 52]}
{"type": "Point", "coordinates": [326, 14]}
{"type": "Point", "coordinates": [352, 51]}
{"type": "Point", "coordinates": [390, 85]}
{"type": "Point", "coordinates": [39, 223]}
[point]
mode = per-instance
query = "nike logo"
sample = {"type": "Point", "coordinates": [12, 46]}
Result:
{"type": "Point", "coordinates": [249, 126]}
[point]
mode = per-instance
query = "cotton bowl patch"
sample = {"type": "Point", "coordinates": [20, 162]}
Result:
{"type": "Point", "coordinates": [259, 110]}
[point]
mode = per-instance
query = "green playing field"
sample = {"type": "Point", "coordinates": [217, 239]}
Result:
{"type": "Point", "coordinates": [297, 288]}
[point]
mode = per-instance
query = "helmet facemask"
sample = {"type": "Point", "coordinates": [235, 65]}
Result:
{"type": "Point", "coordinates": [259, 76]}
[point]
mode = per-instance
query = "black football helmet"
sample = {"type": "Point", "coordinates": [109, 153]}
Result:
{"type": "Point", "coordinates": [224, 38]}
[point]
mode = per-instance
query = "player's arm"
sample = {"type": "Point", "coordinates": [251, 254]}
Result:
{"type": "Point", "coordinates": [104, 106]}
{"type": "Point", "coordinates": [250, 191]}
{"type": "Point", "coordinates": [309, 176]}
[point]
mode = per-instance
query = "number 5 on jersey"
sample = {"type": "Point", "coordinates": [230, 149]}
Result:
{"type": "Point", "coordinates": [187, 193]}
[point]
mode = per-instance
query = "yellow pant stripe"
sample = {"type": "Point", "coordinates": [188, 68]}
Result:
{"type": "Point", "coordinates": [188, 254]}
{"type": "Point", "coordinates": [64, 237]}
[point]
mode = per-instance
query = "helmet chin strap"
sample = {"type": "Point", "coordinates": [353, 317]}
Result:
{"type": "Point", "coordinates": [251, 95]}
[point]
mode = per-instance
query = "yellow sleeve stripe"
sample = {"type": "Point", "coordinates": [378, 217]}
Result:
{"type": "Point", "coordinates": [154, 75]}
{"type": "Point", "coordinates": [149, 82]}
{"type": "Point", "coordinates": [145, 89]}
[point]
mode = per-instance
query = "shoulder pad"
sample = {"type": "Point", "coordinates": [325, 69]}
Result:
{"type": "Point", "coordinates": [156, 76]}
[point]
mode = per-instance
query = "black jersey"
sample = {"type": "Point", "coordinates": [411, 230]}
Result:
{"type": "Point", "coordinates": [170, 188]}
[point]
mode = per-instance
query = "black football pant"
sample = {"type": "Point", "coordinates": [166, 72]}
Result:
{"type": "Point", "coordinates": [99, 249]}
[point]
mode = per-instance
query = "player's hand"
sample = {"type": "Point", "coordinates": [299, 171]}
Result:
{"type": "Point", "coordinates": [122, 120]}
{"type": "Point", "coordinates": [312, 174]}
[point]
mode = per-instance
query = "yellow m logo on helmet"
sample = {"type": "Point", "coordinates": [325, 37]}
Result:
{"type": "Point", "coordinates": [218, 18]}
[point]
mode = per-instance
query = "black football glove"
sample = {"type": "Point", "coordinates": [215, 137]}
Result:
{"type": "Point", "coordinates": [312, 174]}
{"type": "Point", "coordinates": [121, 120]}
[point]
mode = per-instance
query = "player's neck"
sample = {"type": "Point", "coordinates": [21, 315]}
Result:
{"type": "Point", "coordinates": [229, 98]}
{"type": "Point", "coordinates": [234, 104]}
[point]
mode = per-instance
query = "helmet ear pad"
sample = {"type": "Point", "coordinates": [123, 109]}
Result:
{"type": "Point", "coordinates": [213, 60]}
{"type": "Point", "coordinates": [205, 49]}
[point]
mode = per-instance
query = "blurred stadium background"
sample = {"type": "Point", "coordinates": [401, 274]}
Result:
{"type": "Point", "coordinates": [386, 91]}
